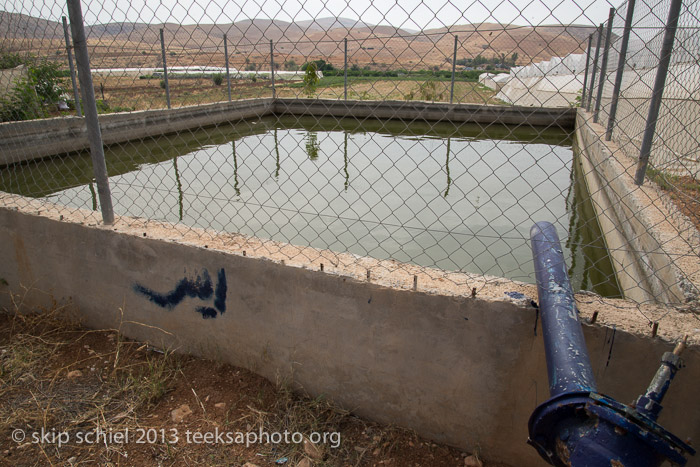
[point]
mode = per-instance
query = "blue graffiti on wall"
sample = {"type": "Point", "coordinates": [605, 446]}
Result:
{"type": "Point", "coordinates": [200, 287]}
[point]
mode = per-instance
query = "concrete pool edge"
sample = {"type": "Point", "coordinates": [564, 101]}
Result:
{"type": "Point", "coordinates": [652, 276]}
{"type": "Point", "coordinates": [466, 371]}
{"type": "Point", "coordinates": [652, 244]}
{"type": "Point", "coordinates": [36, 139]}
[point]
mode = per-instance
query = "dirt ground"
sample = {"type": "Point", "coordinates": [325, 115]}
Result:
{"type": "Point", "coordinates": [71, 396]}
{"type": "Point", "coordinates": [684, 191]}
{"type": "Point", "coordinates": [127, 93]}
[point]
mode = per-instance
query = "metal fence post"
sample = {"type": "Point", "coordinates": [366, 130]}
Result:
{"type": "Point", "coordinates": [165, 69]}
{"type": "Point", "coordinates": [585, 74]}
{"type": "Point", "coordinates": [345, 67]}
{"type": "Point", "coordinates": [91, 121]}
{"type": "Point", "coordinates": [657, 93]}
{"type": "Point", "coordinates": [599, 31]}
{"type": "Point", "coordinates": [620, 69]}
{"type": "Point", "coordinates": [228, 74]}
{"type": "Point", "coordinates": [454, 63]}
{"type": "Point", "coordinates": [76, 94]}
{"type": "Point", "coordinates": [604, 65]}
{"type": "Point", "coordinates": [272, 69]}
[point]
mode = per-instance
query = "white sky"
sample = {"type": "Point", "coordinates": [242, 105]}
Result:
{"type": "Point", "coordinates": [410, 14]}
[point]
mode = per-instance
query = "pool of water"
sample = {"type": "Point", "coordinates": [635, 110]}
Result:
{"type": "Point", "coordinates": [456, 197]}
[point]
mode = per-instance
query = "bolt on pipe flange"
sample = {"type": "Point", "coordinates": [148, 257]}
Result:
{"type": "Point", "coordinates": [579, 427]}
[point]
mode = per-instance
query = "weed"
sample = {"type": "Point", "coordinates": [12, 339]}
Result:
{"type": "Point", "coordinates": [311, 78]}
{"type": "Point", "coordinates": [428, 91]}
{"type": "Point", "coordinates": [42, 87]}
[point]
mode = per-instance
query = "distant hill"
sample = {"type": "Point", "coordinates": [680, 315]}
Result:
{"type": "Point", "coordinates": [19, 26]}
{"type": "Point", "coordinates": [377, 46]}
{"type": "Point", "coordinates": [326, 24]}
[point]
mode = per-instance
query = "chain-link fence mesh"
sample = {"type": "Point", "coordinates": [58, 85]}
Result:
{"type": "Point", "coordinates": [377, 184]}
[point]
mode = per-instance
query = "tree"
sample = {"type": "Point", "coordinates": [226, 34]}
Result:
{"type": "Point", "coordinates": [321, 65]}
{"type": "Point", "coordinates": [291, 65]}
{"type": "Point", "coordinates": [479, 60]}
{"type": "Point", "coordinates": [311, 78]}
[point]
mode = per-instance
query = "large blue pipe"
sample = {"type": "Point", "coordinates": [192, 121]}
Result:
{"type": "Point", "coordinates": [577, 427]}
{"type": "Point", "coordinates": [568, 365]}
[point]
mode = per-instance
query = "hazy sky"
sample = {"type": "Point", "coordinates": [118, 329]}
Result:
{"type": "Point", "coordinates": [410, 14]}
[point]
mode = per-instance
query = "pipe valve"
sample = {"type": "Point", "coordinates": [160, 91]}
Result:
{"type": "Point", "coordinates": [577, 426]}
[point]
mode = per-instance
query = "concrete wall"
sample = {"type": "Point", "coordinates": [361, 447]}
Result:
{"type": "Point", "coordinates": [22, 141]}
{"type": "Point", "coordinates": [653, 247]}
{"type": "Point", "coordinates": [418, 110]}
{"type": "Point", "coordinates": [34, 139]}
{"type": "Point", "coordinates": [455, 369]}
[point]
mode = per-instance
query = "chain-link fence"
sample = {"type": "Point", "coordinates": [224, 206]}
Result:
{"type": "Point", "coordinates": [386, 139]}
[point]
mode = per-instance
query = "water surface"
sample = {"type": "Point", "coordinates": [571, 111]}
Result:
{"type": "Point", "coordinates": [456, 197]}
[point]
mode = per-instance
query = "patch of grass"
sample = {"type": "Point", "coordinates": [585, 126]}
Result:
{"type": "Point", "coordinates": [669, 182]}
{"type": "Point", "coordinates": [52, 378]}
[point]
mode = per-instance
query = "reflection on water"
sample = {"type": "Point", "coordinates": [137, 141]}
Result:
{"type": "Point", "coordinates": [447, 168]}
{"type": "Point", "coordinates": [456, 197]}
{"type": "Point", "coordinates": [179, 189]}
{"type": "Point", "coordinates": [312, 145]}
{"type": "Point", "coordinates": [235, 170]}
{"type": "Point", "coordinates": [590, 266]}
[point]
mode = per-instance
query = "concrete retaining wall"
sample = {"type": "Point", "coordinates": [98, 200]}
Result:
{"type": "Point", "coordinates": [455, 369]}
{"type": "Point", "coordinates": [23, 141]}
{"type": "Point", "coordinates": [417, 110]}
{"type": "Point", "coordinates": [654, 251]}
{"type": "Point", "coordinates": [35, 139]}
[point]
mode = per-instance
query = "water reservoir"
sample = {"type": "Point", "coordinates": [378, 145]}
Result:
{"type": "Point", "coordinates": [458, 197]}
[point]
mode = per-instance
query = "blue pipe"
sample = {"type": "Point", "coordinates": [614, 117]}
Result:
{"type": "Point", "coordinates": [568, 365]}
{"type": "Point", "coordinates": [577, 426]}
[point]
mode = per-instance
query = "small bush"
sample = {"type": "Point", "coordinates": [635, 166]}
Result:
{"type": "Point", "coordinates": [21, 104]}
{"type": "Point", "coordinates": [162, 84]}
{"type": "Point", "coordinates": [31, 96]}
{"type": "Point", "coordinates": [429, 91]}
{"type": "Point", "coordinates": [218, 79]}
{"type": "Point", "coordinates": [9, 60]}
{"type": "Point", "coordinates": [311, 78]}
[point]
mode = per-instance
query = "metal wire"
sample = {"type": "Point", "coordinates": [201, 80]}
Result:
{"type": "Point", "coordinates": [447, 198]}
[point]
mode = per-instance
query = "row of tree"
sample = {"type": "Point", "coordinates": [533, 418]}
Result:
{"type": "Point", "coordinates": [502, 61]}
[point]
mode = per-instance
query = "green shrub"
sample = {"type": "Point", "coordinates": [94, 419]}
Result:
{"type": "Point", "coordinates": [46, 78]}
{"type": "Point", "coordinates": [103, 107]}
{"type": "Point", "coordinates": [310, 78]}
{"type": "Point", "coordinates": [10, 60]}
{"type": "Point", "coordinates": [218, 79]}
{"type": "Point", "coordinates": [429, 91]}
{"type": "Point", "coordinates": [32, 96]}
{"type": "Point", "coordinates": [22, 103]}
